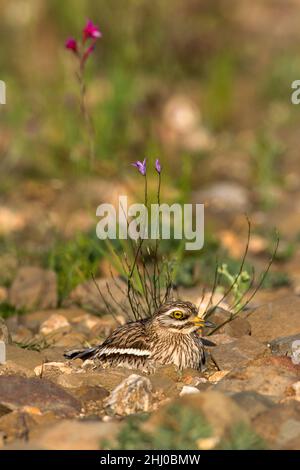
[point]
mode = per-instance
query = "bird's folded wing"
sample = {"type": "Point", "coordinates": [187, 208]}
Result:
{"type": "Point", "coordinates": [129, 339]}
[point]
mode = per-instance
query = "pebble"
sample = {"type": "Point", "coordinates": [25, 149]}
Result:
{"type": "Point", "coordinates": [187, 390]}
{"type": "Point", "coordinates": [2, 352]}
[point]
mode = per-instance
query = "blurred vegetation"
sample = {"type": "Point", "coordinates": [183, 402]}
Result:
{"type": "Point", "coordinates": [182, 429]}
{"type": "Point", "coordinates": [150, 54]}
{"type": "Point", "coordinates": [167, 436]}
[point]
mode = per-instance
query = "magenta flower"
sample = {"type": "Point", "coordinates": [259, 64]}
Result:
{"type": "Point", "coordinates": [88, 52]}
{"type": "Point", "coordinates": [158, 166]}
{"type": "Point", "coordinates": [141, 166]}
{"type": "Point", "coordinates": [71, 44]}
{"type": "Point", "coordinates": [91, 31]}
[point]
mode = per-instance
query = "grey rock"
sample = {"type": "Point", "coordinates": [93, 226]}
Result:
{"type": "Point", "coordinates": [276, 319]}
{"type": "Point", "coordinates": [238, 352]}
{"type": "Point", "coordinates": [237, 328]}
{"type": "Point", "coordinates": [272, 380]}
{"type": "Point", "coordinates": [18, 392]}
{"type": "Point", "coordinates": [106, 378]}
{"type": "Point", "coordinates": [280, 425]}
{"type": "Point", "coordinates": [253, 403]}
{"type": "Point", "coordinates": [133, 395]}
{"type": "Point", "coordinates": [283, 346]}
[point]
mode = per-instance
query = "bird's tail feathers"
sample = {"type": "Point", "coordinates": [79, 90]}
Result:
{"type": "Point", "coordinates": [80, 353]}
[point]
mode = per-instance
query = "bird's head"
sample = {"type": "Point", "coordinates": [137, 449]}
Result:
{"type": "Point", "coordinates": [180, 317]}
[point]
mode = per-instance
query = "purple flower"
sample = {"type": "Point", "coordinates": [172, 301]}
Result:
{"type": "Point", "coordinates": [71, 44]}
{"type": "Point", "coordinates": [141, 166]}
{"type": "Point", "coordinates": [158, 166]}
{"type": "Point", "coordinates": [91, 31]}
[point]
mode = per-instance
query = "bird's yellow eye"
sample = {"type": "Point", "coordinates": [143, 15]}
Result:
{"type": "Point", "coordinates": [177, 314]}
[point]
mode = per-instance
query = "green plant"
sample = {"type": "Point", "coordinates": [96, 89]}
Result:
{"type": "Point", "coordinates": [277, 279]}
{"type": "Point", "coordinates": [242, 437]}
{"type": "Point", "coordinates": [265, 152]}
{"type": "Point", "coordinates": [240, 283]}
{"type": "Point", "coordinates": [180, 430]}
{"type": "Point", "coordinates": [74, 260]}
{"type": "Point", "coordinates": [7, 310]}
{"type": "Point", "coordinates": [219, 90]}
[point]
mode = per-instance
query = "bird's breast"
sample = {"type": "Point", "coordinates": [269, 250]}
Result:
{"type": "Point", "coordinates": [181, 350]}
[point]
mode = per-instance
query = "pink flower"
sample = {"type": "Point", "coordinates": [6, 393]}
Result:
{"type": "Point", "coordinates": [91, 31]}
{"type": "Point", "coordinates": [88, 52]}
{"type": "Point", "coordinates": [71, 44]}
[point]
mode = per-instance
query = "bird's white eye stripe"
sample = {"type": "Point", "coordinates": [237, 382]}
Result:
{"type": "Point", "coordinates": [134, 351]}
{"type": "Point", "coordinates": [176, 310]}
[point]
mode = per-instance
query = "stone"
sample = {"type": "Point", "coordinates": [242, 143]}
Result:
{"type": "Point", "coordinates": [91, 325]}
{"type": "Point", "coordinates": [50, 370]}
{"type": "Point", "coordinates": [2, 352]}
{"type": "Point", "coordinates": [253, 403]}
{"type": "Point", "coordinates": [296, 389]}
{"type": "Point", "coordinates": [87, 393]}
{"type": "Point", "coordinates": [218, 317]}
{"type": "Point", "coordinates": [169, 371]}
{"type": "Point", "coordinates": [4, 333]}
{"type": "Point", "coordinates": [192, 377]}
{"type": "Point", "coordinates": [75, 435]}
{"type": "Point", "coordinates": [33, 288]}
{"type": "Point", "coordinates": [18, 392]}
{"type": "Point", "coordinates": [65, 340]}
{"type": "Point", "coordinates": [208, 443]}
{"type": "Point", "coordinates": [283, 346]}
{"type": "Point", "coordinates": [53, 323]}
{"type": "Point", "coordinates": [19, 424]}
{"type": "Point", "coordinates": [219, 338]}
{"type": "Point", "coordinates": [215, 377]}
{"type": "Point", "coordinates": [227, 197]}
{"type": "Point", "coordinates": [10, 368]}
{"type": "Point", "coordinates": [280, 424]}
{"type": "Point", "coordinates": [163, 385]}
{"type": "Point", "coordinates": [219, 410]}
{"type": "Point", "coordinates": [24, 357]}
{"type": "Point", "coordinates": [265, 377]}
{"type": "Point", "coordinates": [276, 319]}
{"type": "Point", "coordinates": [236, 328]}
{"type": "Point", "coordinates": [238, 352]}
{"type": "Point", "coordinates": [33, 320]}
{"type": "Point", "coordinates": [54, 353]}
{"type": "Point", "coordinates": [72, 381]}
{"type": "Point", "coordinates": [188, 389]}
{"type": "Point", "coordinates": [106, 378]}
{"type": "Point", "coordinates": [181, 126]}
{"type": "Point", "coordinates": [133, 395]}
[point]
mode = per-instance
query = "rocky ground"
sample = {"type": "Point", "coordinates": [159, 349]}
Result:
{"type": "Point", "coordinates": [249, 396]}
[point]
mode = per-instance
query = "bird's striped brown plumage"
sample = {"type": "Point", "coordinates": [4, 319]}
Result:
{"type": "Point", "coordinates": [168, 337]}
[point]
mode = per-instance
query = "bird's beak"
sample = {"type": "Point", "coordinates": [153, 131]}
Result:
{"type": "Point", "coordinates": [201, 322]}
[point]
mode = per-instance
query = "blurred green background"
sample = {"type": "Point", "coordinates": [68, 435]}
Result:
{"type": "Point", "coordinates": [201, 85]}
